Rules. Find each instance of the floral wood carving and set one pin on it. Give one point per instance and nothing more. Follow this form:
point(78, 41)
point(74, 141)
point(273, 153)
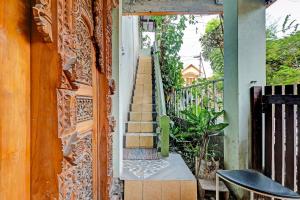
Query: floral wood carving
point(75, 26)
point(66, 108)
point(84, 108)
point(76, 50)
point(75, 181)
point(84, 32)
point(43, 18)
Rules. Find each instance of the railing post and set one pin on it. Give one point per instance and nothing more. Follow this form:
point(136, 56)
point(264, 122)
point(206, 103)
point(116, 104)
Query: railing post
point(164, 123)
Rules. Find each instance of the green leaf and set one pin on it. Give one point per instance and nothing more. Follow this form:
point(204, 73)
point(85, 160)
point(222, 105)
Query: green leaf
point(217, 127)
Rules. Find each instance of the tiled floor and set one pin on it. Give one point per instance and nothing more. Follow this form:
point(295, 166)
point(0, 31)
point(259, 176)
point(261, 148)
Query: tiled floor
point(170, 168)
point(166, 178)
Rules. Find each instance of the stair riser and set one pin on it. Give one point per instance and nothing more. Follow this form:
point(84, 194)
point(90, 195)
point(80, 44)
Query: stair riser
point(144, 117)
point(143, 93)
point(136, 127)
point(142, 108)
point(144, 77)
point(144, 72)
point(143, 100)
point(143, 86)
point(140, 141)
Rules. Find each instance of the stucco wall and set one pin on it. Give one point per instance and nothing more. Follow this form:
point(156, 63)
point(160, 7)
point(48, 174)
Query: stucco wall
point(127, 45)
point(130, 53)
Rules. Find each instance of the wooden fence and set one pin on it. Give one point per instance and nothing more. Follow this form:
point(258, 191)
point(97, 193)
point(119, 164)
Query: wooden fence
point(276, 133)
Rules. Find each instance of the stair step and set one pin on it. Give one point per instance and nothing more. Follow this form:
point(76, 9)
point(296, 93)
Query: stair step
point(141, 127)
point(142, 116)
point(142, 107)
point(144, 93)
point(143, 99)
point(144, 76)
point(143, 86)
point(140, 140)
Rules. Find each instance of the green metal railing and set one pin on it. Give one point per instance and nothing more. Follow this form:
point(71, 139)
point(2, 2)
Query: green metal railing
point(207, 95)
point(163, 119)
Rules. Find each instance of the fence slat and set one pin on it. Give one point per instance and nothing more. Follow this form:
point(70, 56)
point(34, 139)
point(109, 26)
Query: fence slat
point(278, 138)
point(203, 95)
point(298, 142)
point(256, 124)
point(290, 143)
point(282, 99)
point(268, 134)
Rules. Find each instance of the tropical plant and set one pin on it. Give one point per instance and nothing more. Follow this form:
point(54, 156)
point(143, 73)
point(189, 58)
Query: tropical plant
point(283, 60)
point(283, 53)
point(213, 44)
point(169, 34)
point(202, 125)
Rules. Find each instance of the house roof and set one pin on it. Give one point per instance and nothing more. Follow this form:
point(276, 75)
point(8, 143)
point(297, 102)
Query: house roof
point(191, 66)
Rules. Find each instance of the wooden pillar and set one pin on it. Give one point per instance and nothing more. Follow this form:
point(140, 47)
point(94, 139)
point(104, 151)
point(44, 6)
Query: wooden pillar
point(15, 100)
point(46, 154)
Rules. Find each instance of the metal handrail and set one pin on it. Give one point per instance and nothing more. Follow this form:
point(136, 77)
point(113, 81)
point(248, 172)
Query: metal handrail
point(159, 84)
point(201, 84)
point(162, 118)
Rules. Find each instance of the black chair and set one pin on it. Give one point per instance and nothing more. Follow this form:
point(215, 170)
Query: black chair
point(255, 183)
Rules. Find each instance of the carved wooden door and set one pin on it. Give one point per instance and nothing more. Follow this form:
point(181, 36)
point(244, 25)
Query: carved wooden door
point(84, 102)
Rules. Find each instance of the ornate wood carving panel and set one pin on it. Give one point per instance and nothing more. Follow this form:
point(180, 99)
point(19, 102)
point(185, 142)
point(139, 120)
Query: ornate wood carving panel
point(75, 25)
point(84, 43)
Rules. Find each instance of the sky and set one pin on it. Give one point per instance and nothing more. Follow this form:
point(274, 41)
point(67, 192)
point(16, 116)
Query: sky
point(191, 46)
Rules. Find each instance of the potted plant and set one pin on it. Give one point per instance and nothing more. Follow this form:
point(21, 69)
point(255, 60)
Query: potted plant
point(203, 124)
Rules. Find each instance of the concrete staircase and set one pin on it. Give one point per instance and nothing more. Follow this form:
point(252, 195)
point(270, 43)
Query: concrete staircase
point(156, 178)
point(140, 132)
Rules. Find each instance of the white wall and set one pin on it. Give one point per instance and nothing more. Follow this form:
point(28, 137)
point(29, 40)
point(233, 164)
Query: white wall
point(124, 73)
point(116, 38)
